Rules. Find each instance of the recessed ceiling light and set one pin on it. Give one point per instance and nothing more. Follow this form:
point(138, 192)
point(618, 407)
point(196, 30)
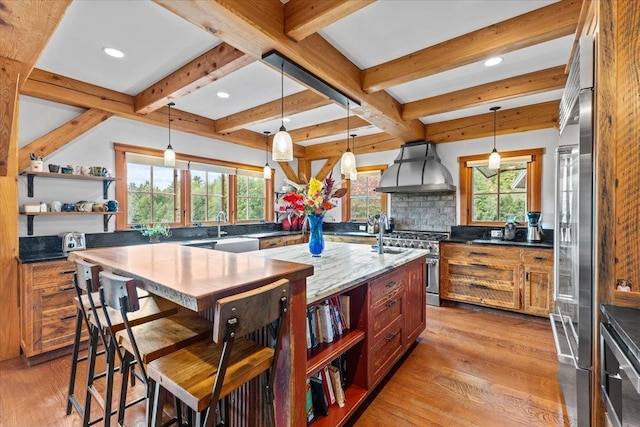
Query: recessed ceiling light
point(286, 119)
point(113, 52)
point(223, 95)
point(493, 61)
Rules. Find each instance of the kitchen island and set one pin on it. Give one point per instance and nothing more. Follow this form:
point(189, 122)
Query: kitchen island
point(387, 305)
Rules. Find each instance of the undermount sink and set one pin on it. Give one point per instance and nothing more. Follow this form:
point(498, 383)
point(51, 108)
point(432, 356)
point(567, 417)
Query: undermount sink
point(237, 244)
point(389, 250)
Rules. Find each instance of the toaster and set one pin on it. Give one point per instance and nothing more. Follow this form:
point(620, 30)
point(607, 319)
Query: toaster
point(73, 241)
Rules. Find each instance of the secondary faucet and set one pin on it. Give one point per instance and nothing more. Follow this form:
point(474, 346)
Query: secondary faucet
point(383, 224)
point(221, 214)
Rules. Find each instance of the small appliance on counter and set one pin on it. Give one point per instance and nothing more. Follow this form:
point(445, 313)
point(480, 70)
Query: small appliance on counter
point(534, 231)
point(510, 228)
point(73, 241)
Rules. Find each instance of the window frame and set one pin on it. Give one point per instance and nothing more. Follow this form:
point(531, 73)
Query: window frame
point(121, 151)
point(534, 183)
point(346, 204)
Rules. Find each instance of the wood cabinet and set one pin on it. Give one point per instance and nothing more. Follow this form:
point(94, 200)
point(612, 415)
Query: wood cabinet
point(507, 277)
point(47, 312)
point(538, 281)
point(386, 315)
point(285, 240)
point(346, 238)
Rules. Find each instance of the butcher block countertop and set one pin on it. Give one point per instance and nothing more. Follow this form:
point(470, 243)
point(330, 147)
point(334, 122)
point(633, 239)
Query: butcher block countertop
point(341, 266)
point(193, 277)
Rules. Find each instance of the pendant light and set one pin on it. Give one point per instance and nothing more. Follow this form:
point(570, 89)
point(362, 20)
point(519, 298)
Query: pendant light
point(282, 144)
point(354, 174)
point(266, 172)
point(169, 154)
point(494, 158)
point(348, 161)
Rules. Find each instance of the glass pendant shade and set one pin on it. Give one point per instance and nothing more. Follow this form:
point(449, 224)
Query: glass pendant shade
point(354, 176)
point(282, 146)
point(348, 163)
point(494, 160)
point(266, 172)
point(169, 154)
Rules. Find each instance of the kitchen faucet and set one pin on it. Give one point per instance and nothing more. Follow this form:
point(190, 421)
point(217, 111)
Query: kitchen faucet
point(383, 224)
point(221, 214)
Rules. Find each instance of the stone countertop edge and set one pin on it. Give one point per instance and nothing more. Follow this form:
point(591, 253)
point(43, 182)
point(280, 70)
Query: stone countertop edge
point(540, 245)
point(341, 265)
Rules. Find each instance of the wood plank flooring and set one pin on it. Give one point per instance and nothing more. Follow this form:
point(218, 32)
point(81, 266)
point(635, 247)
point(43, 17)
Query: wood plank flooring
point(469, 368)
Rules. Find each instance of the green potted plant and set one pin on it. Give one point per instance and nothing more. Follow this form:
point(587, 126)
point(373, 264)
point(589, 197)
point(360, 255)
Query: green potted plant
point(156, 231)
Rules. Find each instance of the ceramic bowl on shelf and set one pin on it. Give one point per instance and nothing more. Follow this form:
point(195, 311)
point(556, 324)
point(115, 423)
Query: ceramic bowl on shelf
point(54, 168)
point(67, 170)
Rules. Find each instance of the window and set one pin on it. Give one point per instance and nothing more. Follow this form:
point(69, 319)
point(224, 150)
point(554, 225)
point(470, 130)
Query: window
point(363, 200)
point(192, 192)
point(209, 195)
point(250, 197)
point(487, 196)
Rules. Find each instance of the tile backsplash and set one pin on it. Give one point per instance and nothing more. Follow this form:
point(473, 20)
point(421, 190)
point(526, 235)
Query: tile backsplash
point(424, 211)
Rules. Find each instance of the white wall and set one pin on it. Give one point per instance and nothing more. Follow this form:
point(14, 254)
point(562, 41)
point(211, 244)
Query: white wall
point(95, 148)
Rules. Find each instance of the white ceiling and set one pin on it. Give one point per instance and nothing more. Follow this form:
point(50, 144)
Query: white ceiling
point(156, 43)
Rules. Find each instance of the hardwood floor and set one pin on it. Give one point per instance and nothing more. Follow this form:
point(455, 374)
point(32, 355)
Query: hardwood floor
point(469, 368)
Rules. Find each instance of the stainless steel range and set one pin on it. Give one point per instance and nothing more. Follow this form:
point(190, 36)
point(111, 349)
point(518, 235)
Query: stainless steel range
point(430, 241)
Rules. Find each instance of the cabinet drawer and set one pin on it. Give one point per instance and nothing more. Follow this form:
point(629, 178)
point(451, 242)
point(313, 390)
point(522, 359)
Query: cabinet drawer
point(481, 253)
point(271, 243)
point(489, 292)
point(385, 313)
point(384, 286)
point(483, 272)
point(56, 298)
point(387, 351)
point(538, 257)
point(58, 327)
point(52, 274)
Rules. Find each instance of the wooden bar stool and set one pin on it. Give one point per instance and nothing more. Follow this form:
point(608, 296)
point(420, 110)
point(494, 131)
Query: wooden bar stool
point(148, 341)
point(86, 283)
point(203, 373)
point(101, 326)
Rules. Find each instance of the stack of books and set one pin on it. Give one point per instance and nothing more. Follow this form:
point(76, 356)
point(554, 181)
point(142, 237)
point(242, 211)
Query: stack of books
point(326, 388)
point(327, 320)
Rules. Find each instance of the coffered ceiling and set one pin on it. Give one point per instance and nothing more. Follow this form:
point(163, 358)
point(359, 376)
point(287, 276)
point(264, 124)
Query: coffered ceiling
point(415, 66)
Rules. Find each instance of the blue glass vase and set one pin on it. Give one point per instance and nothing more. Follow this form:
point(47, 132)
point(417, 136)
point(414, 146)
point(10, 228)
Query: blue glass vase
point(316, 240)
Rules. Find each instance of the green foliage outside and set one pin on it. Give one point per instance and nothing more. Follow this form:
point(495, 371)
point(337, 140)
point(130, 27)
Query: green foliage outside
point(208, 195)
point(250, 198)
point(499, 195)
point(364, 201)
point(153, 194)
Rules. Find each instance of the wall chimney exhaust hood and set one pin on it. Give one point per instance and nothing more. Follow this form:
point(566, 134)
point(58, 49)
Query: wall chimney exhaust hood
point(417, 169)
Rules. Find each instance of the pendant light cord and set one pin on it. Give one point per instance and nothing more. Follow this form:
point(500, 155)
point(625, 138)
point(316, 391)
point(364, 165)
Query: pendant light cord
point(348, 127)
point(282, 94)
point(170, 105)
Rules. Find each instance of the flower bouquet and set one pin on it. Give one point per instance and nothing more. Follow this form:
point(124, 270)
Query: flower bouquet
point(313, 200)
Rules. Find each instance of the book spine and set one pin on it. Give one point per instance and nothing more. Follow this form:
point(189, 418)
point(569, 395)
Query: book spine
point(336, 382)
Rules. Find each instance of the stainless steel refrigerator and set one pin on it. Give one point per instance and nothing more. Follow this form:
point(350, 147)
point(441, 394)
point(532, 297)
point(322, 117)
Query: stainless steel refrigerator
point(573, 318)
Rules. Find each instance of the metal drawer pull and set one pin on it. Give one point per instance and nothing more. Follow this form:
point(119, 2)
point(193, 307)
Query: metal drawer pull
point(479, 253)
point(392, 303)
point(539, 258)
point(67, 272)
point(392, 284)
point(67, 289)
point(391, 337)
point(478, 285)
point(71, 316)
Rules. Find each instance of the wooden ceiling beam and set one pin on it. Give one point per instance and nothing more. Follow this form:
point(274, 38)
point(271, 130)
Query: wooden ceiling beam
point(538, 26)
point(526, 84)
point(289, 172)
point(257, 27)
point(514, 120)
point(327, 167)
point(332, 128)
point(303, 18)
point(207, 68)
point(61, 136)
point(293, 104)
point(26, 28)
point(522, 119)
point(56, 88)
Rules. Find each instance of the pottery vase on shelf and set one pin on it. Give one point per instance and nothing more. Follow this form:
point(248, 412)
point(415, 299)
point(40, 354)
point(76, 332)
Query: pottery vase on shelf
point(316, 240)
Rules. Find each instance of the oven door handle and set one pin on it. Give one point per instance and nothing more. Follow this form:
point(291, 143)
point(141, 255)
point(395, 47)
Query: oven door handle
point(623, 360)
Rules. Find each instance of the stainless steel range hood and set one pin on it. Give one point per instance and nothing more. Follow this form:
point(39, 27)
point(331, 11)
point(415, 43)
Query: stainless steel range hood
point(417, 169)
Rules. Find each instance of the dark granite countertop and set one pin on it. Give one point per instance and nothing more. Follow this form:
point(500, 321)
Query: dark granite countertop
point(626, 323)
point(42, 256)
point(541, 245)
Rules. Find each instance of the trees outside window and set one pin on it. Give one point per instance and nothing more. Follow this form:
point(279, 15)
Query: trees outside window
point(153, 194)
point(362, 200)
point(209, 195)
point(250, 198)
point(487, 196)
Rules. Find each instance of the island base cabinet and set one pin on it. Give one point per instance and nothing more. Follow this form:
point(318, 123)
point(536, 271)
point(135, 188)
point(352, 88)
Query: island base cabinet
point(385, 352)
point(47, 312)
point(415, 301)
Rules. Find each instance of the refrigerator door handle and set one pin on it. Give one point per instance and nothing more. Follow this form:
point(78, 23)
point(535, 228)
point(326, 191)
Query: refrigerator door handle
point(562, 356)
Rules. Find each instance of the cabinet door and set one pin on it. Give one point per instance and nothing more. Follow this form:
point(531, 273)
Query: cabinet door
point(271, 242)
point(415, 301)
point(538, 281)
